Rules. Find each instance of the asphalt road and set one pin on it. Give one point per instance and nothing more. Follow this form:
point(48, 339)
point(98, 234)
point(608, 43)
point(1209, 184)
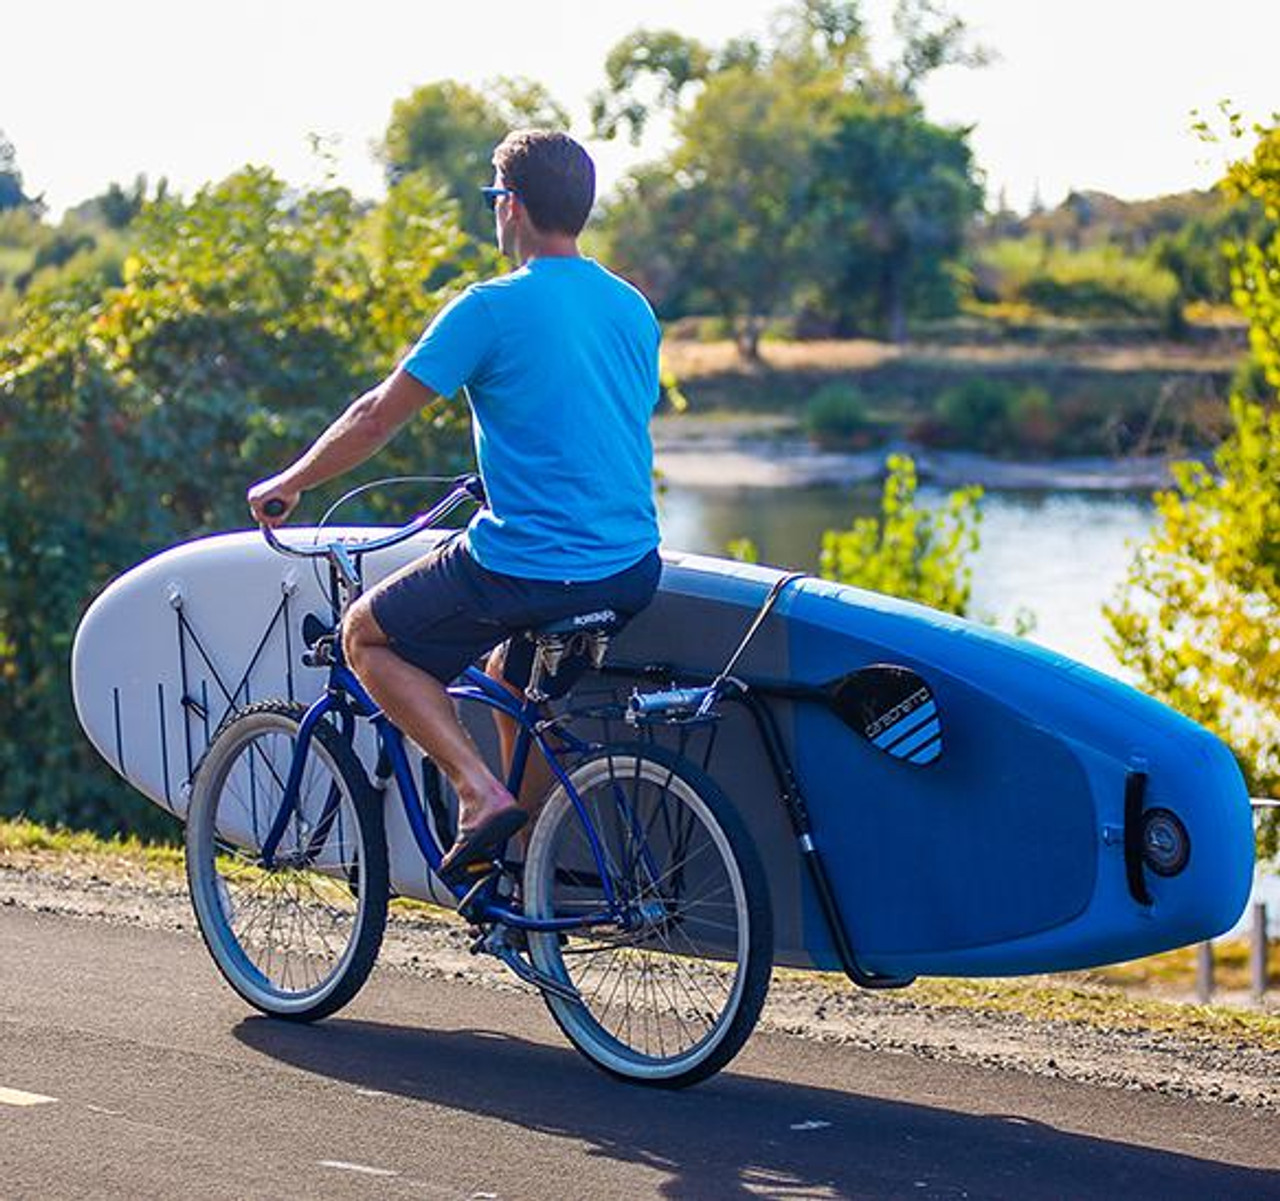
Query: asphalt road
point(157, 1082)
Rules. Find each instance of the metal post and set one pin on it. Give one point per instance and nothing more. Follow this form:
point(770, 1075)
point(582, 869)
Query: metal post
point(1204, 972)
point(1258, 951)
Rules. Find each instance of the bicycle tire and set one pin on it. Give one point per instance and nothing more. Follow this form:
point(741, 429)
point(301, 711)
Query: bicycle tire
point(671, 1000)
point(297, 940)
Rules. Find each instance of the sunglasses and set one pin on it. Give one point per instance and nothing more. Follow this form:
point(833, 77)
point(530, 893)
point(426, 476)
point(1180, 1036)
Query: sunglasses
point(491, 195)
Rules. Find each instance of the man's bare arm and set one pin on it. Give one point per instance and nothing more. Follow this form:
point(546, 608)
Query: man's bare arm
point(365, 427)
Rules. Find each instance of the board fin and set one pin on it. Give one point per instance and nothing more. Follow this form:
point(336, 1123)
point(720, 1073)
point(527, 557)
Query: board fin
point(894, 709)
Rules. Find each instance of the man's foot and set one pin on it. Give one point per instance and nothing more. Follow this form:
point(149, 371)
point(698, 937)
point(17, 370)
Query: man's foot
point(473, 849)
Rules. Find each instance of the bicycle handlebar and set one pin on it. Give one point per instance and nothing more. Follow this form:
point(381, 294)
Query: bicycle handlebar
point(465, 488)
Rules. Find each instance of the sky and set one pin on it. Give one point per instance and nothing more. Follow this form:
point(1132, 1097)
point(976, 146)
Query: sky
point(1090, 94)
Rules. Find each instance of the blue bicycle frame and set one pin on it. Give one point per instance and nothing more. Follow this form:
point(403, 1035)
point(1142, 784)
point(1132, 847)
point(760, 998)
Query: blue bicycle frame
point(345, 694)
point(345, 691)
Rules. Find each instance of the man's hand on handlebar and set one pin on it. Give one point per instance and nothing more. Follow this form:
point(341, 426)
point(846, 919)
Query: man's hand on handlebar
point(271, 502)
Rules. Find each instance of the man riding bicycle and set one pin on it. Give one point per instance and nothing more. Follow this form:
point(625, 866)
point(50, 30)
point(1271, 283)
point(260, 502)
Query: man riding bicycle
point(559, 362)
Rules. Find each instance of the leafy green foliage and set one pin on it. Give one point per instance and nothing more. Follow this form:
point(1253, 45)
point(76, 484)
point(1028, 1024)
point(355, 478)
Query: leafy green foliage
point(931, 39)
point(664, 59)
point(117, 207)
point(12, 195)
point(449, 130)
point(1198, 618)
point(837, 416)
point(1096, 256)
point(995, 416)
point(909, 551)
point(804, 179)
point(134, 418)
point(1100, 281)
point(893, 195)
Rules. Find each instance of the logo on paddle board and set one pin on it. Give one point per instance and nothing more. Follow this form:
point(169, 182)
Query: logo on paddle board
point(893, 709)
point(900, 711)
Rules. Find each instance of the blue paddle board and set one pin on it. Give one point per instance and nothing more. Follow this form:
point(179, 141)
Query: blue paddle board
point(1039, 816)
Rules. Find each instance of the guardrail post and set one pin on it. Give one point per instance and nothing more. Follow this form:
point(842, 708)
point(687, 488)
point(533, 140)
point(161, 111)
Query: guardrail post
point(1258, 951)
point(1204, 972)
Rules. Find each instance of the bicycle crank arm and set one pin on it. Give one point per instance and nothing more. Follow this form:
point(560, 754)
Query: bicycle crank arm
point(530, 975)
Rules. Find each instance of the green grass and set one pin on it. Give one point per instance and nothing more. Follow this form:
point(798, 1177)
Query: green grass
point(19, 837)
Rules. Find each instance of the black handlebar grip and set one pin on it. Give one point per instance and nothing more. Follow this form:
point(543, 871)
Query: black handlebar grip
point(274, 508)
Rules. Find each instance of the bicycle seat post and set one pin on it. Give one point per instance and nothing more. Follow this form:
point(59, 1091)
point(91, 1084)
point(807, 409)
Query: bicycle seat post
point(586, 635)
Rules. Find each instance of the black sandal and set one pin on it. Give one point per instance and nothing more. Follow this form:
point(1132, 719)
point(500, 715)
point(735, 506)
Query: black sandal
point(473, 852)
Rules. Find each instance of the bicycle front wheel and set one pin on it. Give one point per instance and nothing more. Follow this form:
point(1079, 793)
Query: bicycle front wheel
point(668, 992)
point(297, 938)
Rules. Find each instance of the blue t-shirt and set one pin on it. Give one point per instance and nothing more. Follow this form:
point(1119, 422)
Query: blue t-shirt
point(560, 363)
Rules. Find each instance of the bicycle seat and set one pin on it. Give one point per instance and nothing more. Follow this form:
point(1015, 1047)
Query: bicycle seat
point(601, 621)
point(564, 648)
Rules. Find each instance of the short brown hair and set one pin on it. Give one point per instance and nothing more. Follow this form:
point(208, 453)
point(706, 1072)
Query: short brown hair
point(552, 175)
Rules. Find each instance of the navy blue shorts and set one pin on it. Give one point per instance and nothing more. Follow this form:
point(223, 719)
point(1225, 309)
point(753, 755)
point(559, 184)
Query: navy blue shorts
point(446, 610)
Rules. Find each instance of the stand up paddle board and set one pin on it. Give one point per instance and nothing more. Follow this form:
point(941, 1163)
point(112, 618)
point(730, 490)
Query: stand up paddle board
point(982, 806)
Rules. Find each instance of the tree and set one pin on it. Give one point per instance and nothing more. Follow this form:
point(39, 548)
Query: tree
point(733, 228)
point(450, 129)
point(760, 207)
point(134, 418)
point(931, 39)
point(895, 195)
point(647, 70)
point(1198, 618)
point(12, 195)
point(117, 206)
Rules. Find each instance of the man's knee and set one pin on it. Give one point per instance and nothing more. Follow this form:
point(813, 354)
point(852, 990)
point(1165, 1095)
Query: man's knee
point(360, 632)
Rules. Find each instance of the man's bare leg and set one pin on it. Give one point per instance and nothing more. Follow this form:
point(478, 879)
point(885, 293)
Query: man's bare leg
point(537, 779)
point(419, 705)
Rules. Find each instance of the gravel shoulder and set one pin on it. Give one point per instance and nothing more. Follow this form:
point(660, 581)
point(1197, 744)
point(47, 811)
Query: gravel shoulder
point(1228, 1060)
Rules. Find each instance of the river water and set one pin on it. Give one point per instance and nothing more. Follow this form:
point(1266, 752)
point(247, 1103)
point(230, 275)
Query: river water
point(1059, 556)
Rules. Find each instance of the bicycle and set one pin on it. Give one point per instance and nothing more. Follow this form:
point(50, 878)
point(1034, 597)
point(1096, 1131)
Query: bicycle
point(640, 909)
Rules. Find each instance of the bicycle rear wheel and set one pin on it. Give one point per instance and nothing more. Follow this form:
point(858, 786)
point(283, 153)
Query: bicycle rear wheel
point(299, 938)
point(669, 994)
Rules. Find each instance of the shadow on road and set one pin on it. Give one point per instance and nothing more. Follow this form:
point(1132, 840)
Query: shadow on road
point(737, 1136)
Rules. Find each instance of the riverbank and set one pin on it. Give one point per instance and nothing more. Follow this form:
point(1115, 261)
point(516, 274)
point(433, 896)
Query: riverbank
point(770, 451)
point(1024, 401)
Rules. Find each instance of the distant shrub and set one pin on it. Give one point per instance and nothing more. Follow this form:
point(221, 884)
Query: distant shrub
point(837, 416)
point(1032, 419)
point(995, 416)
point(1097, 282)
point(975, 413)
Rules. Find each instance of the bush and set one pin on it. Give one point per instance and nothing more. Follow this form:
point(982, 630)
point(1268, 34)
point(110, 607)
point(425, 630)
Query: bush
point(133, 418)
point(975, 413)
point(1198, 616)
point(907, 551)
point(996, 416)
point(1032, 421)
point(837, 416)
point(1100, 282)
